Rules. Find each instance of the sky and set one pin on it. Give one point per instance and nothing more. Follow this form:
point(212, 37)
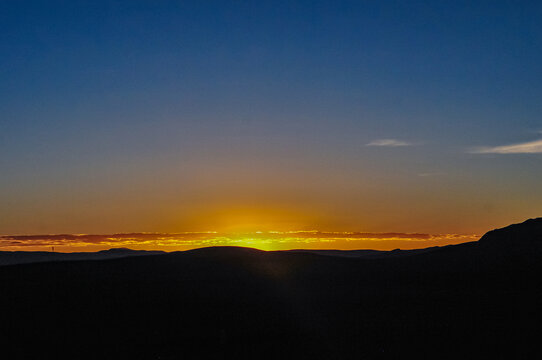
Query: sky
point(244, 116)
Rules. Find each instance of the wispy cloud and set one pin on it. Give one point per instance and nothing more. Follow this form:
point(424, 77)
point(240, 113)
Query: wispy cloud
point(389, 143)
point(530, 147)
point(272, 240)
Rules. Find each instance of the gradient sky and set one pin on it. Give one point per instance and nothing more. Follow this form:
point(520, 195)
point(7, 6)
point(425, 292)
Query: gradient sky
point(173, 116)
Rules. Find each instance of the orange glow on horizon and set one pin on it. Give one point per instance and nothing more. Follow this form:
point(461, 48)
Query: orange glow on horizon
point(263, 240)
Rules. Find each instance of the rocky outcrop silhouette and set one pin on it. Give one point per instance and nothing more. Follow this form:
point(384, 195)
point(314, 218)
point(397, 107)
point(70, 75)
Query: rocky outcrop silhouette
point(524, 238)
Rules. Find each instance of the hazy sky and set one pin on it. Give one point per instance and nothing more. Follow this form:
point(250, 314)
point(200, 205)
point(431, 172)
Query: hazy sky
point(165, 116)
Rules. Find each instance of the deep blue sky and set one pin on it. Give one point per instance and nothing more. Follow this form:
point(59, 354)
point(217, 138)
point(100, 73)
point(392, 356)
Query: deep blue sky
point(177, 115)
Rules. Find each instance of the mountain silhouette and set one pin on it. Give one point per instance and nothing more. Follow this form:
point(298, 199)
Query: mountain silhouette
point(474, 300)
point(25, 257)
point(524, 238)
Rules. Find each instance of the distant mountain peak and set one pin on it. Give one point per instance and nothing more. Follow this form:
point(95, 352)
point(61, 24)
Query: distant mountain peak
point(117, 250)
point(525, 235)
point(224, 251)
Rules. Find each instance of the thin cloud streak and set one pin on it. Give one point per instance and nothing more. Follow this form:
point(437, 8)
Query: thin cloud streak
point(531, 147)
point(265, 240)
point(388, 143)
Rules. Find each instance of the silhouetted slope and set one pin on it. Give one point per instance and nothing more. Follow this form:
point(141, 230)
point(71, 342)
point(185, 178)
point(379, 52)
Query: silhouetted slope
point(367, 254)
point(26, 257)
point(519, 239)
point(464, 301)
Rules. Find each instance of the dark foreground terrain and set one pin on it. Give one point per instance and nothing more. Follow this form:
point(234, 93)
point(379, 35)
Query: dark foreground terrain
point(476, 300)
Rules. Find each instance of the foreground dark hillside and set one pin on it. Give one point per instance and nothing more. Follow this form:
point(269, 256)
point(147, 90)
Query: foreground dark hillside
point(474, 300)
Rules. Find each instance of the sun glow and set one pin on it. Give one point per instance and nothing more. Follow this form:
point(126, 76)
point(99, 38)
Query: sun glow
point(263, 240)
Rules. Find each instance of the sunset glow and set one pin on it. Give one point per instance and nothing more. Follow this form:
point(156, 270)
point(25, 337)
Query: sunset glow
point(238, 118)
point(263, 240)
point(300, 179)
